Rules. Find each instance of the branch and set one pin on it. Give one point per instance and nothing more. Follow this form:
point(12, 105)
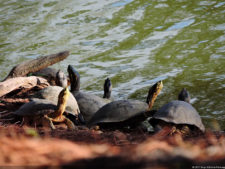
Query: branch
point(35, 65)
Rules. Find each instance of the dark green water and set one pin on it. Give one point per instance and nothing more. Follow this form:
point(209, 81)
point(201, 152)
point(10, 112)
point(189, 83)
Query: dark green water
point(134, 42)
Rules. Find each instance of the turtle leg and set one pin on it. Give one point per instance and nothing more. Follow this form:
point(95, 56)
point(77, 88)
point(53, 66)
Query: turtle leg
point(26, 121)
point(185, 130)
point(23, 122)
point(69, 123)
point(95, 127)
point(46, 121)
point(173, 130)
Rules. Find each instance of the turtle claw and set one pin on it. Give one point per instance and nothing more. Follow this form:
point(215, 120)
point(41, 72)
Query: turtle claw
point(173, 130)
point(185, 130)
point(95, 127)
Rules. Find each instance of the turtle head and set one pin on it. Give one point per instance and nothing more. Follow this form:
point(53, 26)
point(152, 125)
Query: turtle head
point(184, 95)
point(61, 79)
point(153, 93)
point(62, 100)
point(107, 88)
point(74, 77)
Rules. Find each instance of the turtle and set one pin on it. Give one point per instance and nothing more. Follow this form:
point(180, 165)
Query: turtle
point(54, 76)
point(88, 103)
point(179, 115)
point(123, 113)
point(61, 79)
point(46, 112)
point(51, 93)
point(107, 90)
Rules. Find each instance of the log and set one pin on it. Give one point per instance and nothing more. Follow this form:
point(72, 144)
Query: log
point(35, 65)
point(21, 82)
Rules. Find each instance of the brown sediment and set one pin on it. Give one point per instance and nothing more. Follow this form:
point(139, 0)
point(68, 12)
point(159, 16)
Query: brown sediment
point(85, 148)
point(35, 65)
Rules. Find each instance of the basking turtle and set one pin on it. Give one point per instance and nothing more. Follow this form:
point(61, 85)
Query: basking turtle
point(107, 90)
point(61, 79)
point(54, 76)
point(46, 112)
point(184, 96)
point(51, 92)
point(88, 103)
point(123, 113)
point(179, 115)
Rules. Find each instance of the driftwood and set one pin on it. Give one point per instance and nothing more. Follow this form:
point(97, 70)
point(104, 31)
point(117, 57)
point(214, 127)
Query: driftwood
point(35, 65)
point(21, 82)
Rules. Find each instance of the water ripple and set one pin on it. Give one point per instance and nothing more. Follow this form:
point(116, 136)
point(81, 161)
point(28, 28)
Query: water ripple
point(181, 24)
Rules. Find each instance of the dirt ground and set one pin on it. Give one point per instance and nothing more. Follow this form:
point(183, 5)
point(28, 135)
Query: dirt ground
point(85, 148)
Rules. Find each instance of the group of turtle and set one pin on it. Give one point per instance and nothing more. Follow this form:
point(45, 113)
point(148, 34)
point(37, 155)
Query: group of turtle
point(58, 104)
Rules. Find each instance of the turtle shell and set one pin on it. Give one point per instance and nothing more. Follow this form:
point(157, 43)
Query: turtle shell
point(48, 73)
point(51, 93)
point(36, 107)
point(179, 112)
point(89, 104)
point(118, 111)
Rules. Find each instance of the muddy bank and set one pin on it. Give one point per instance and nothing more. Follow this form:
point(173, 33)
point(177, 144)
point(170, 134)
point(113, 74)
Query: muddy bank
point(86, 148)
